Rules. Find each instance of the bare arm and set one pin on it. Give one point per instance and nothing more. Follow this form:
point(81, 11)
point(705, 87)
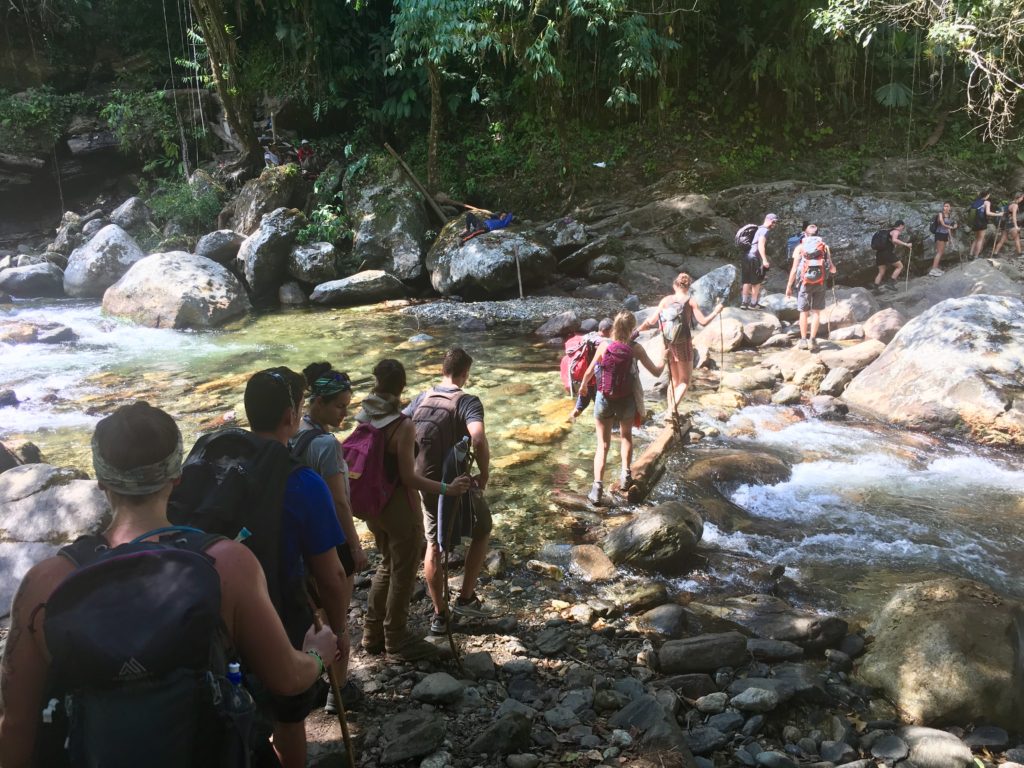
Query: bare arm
point(405, 443)
point(335, 592)
point(761, 245)
point(652, 321)
point(700, 317)
point(482, 449)
point(644, 359)
point(336, 484)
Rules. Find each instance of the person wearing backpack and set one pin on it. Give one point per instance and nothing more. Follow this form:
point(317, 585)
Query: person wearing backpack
point(442, 417)
point(812, 262)
point(330, 393)
point(310, 538)
point(755, 265)
point(942, 227)
point(612, 367)
point(131, 637)
point(1009, 227)
point(884, 243)
point(398, 526)
point(978, 216)
point(576, 365)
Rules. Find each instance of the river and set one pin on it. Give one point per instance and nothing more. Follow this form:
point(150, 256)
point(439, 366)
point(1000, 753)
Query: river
point(866, 508)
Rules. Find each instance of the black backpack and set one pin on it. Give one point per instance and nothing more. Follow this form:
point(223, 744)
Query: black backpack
point(233, 484)
point(934, 226)
point(745, 237)
point(881, 240)
point(139, 656)
point(298, 444)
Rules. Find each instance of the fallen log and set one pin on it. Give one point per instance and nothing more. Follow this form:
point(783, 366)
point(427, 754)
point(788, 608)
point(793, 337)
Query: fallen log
point(648, 468)
point(431, 203)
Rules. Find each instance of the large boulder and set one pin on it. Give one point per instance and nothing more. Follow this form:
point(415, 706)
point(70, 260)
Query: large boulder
point(855, 357)
point(177, 290)
point(974, 278)
point(101, 262)
point(276, 187)
point(946, 652)
point(133, 214)
point(314, 263)
point(44, 508)
point(658, 539)
point(960, 364)
point(718, 285)
point(725, 334)
point(849, 307)
point(220, 245)
point(263, 256)
point(884, 325)
point(486, 265)
point(388, 219)
point(33, 281)
point(366, 287)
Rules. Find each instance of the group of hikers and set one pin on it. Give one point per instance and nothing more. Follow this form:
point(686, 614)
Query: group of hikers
point(195, 617)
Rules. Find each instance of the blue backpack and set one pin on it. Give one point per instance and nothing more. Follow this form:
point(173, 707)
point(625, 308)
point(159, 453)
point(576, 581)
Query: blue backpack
point(793, 242)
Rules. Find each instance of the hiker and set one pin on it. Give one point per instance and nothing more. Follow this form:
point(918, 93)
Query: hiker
point(579, 351)
point(310, 540)
point(1009, 227)
point(613, 367)
point(979, 213)
point(675, 315)
point(812, 262)
point(807, 228)
point(330, 393)
point(942, 227)
point(475, 226)
point(755, 265)
point(137, 454)
point(442, 417)
point(305, 155)
point(884, 243)
point(398, 529)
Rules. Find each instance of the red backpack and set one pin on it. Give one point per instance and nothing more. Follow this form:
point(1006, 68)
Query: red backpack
point(579, 351)
point(370, 488)
point(615, 370)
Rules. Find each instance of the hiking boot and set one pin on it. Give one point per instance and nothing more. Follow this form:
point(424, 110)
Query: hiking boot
point(472, 608)
point(594, 497)
point(372, 647)
point(936, 272)
point(812, 345)
point(439, 624)
point(414, 650)
point(801, 343)
point(626, 478)
point(744, 305)
point(759, 305)
point(350, 698)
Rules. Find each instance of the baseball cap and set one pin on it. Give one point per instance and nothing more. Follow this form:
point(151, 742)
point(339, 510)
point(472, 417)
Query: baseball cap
point(771, 217)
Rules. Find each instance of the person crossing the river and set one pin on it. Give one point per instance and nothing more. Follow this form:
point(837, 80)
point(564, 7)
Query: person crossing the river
point(812, 263)
point(755, 265)
point(615, 404)
point(674, 316)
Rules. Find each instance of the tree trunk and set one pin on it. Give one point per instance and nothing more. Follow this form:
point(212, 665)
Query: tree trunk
point(434, 137)
point(224, 67)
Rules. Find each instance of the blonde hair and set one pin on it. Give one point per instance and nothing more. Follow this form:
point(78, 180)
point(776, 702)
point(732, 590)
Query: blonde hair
point(683, 278)
point(623, 325)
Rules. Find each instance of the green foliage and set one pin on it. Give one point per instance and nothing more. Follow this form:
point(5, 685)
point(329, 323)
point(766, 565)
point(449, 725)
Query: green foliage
point(195, 210)
point(328, 223)
point(145, 126)
point(32, 120)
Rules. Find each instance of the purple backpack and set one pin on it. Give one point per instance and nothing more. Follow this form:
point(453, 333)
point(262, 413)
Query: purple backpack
point(615, 370)
point(370, 488)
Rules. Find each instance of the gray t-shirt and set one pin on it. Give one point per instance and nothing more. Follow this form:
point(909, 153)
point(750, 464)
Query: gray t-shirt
point(761, 234)
point(323, 455)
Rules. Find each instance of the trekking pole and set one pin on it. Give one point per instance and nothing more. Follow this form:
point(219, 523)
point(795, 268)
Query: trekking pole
point(345, 736)
point(446, 592)
point(721, 344)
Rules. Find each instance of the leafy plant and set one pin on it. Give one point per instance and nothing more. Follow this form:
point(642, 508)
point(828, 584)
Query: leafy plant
point(145, 126)
point(328, 223)
point(31, 121)
point(194, 209)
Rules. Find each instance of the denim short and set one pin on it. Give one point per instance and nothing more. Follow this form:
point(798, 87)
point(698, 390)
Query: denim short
point(618, 410)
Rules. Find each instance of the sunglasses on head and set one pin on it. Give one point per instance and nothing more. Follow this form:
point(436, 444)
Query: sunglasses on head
point(277, 376)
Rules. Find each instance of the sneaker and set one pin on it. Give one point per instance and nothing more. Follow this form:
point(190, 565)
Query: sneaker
point(372, 648)
point(472, 608)
point(439, 625)
point(812, 345)
point(744, 305)
point(594, 497)
point(759, 305)
point(801, 343)
point(414, 650)
point(936, 272)
point(350, 698)
point(626, 478)
point(891, 286)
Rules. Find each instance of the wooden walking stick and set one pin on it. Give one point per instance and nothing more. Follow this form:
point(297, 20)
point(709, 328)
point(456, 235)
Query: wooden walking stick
point(345, 736)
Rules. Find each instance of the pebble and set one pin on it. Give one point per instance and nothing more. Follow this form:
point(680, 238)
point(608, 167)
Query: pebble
point(773, 759)
point(479, 665)
point(989, 736)
point(437, 760)
point(561, 718)
point(508, 706)
point(837, 752)
point(753, 726)
point(807, 745)
point(703, 740)
point(620, 738)
point(727, 722)
point(522, 760)
point(438, 688)
point(519, 667)
point(791, 734)
point(756, 700)
point(552, 640)
point(713, 703)
point(889, 748)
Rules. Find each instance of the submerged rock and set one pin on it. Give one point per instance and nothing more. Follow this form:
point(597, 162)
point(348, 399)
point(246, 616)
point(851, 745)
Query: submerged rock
point(659, 539)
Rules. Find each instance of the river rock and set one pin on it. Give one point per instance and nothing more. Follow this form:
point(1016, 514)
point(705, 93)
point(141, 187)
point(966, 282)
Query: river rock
point(221, 245)
point(133, 214)
point(854, 358)
point(291, 295)
point(69, 234)
point(366, 287)
point(33, 281)
point(781, 689)
point(605, 268)
point(703, 740)
point(890, 748)
point(852, 306)
point(749, 379)
point(727, 332)
point(771, 617)
point(590, 563)
point(658, 539)
point(729, 469)
point(837, 752)
point(703, 653)
point(931, 748)
point(276, 187)
point(479, 665)
point(755, 700)
point(509, 733)
point(649, 594)
point(438, 688)
point(563, 324)
point(314, 263)
point(97, 265)
point(979, 277)
point(713, 703)
point(718, 285)
point(774, 650)
point(788, 394)
point(177, 290)
point(849, 333)
point(835, 381)
point(8, 459)
point(944, 652)
point(667, 620)
point(810, 374)
point(563, 236)
point(959, 363)
point(411, 734)
point(782, 307)
point(389, 221)
point(263, 256)
point(884, 325)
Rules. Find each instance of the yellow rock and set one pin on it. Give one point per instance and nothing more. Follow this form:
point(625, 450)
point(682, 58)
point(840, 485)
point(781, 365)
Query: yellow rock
point(226, 382)
point(517, 459)
point(560, 605)
point(723, 399)
point(539, 434)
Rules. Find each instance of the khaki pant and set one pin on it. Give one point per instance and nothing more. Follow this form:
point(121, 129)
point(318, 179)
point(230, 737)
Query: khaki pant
point(399, 535)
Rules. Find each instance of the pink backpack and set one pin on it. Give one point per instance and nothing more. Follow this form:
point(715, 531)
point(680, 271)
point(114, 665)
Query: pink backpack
point(370, 488)
point(615, 371)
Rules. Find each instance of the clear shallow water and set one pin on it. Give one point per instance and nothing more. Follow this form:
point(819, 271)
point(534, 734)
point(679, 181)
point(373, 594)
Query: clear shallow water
point(866, 507)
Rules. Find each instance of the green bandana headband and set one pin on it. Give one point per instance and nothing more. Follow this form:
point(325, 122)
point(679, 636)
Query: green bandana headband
point(137, 481)
point(330, 384)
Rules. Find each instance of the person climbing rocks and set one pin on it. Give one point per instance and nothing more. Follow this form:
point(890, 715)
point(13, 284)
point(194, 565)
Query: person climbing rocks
point(755, 265)
point(593, 341)
point(942, 227)
point(615, 404)
point(674, 316)
point(812, 263)
point(1009, 226)
point(443, 416)
point(980, 212)
point(884, 246)
point(398, 529)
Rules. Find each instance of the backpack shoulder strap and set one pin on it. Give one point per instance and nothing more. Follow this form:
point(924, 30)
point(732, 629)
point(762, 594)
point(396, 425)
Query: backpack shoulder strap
point(304, 438)
point(84, 550)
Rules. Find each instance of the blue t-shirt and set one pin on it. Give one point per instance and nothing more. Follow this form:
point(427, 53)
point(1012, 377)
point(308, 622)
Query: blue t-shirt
point(310, 526)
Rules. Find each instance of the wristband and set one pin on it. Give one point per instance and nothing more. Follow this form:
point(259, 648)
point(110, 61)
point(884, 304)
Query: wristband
point(444, 488)
point(320, 659)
